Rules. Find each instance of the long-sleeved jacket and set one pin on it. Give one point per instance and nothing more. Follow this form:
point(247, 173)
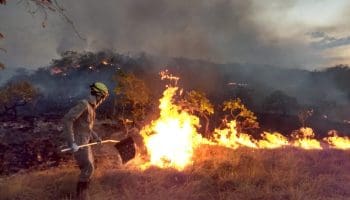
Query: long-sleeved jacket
point(79, 122)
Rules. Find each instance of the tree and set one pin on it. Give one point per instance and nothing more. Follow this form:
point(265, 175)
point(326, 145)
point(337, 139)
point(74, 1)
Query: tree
point(197, 103)
point(303, 115)
point(245, 119)
point(279, 102)
point(15, 94)
point(132, 91)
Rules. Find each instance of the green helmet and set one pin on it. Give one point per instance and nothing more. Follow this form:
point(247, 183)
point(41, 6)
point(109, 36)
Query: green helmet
point(99, 89)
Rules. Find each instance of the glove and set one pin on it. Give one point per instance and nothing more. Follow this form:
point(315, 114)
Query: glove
point(74, 147)
point(98, 140)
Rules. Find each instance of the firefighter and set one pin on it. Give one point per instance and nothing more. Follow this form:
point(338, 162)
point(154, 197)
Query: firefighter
point(78, 129)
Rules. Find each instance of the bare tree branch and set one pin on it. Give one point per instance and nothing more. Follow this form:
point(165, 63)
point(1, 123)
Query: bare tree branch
point(2, 66)
point(45, 6)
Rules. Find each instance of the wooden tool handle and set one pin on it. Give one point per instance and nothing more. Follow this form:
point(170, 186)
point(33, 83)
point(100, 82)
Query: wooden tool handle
point(91, 144)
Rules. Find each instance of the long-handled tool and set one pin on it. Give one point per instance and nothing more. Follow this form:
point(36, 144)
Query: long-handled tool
point(126, 148)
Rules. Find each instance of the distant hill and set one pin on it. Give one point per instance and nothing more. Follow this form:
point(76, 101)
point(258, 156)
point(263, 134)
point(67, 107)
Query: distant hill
point(325, 91)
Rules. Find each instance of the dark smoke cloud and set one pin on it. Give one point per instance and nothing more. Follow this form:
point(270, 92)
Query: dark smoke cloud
point(326, 41)
point(221, 31)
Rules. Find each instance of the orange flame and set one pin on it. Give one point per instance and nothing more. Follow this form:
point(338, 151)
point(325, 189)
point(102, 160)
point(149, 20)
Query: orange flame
point(336, 141)
point(172, 138)
point(56, 70)
point(272, 140)
point(165, 75)
point(304, 138)
point(229, 137)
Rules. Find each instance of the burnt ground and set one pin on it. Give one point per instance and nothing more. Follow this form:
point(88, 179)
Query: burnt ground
point(34, 143)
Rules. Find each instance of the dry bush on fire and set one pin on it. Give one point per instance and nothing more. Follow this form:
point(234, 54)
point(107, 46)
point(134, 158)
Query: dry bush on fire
point(16, 94)
point(196, 102)
point(245, 119)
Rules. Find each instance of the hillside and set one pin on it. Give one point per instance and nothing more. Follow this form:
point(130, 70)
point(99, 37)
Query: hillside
point(66, 79)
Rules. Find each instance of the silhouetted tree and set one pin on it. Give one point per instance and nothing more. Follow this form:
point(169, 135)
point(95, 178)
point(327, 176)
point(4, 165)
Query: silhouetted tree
point(15, 94)
point(279, 102)
point(303, 115)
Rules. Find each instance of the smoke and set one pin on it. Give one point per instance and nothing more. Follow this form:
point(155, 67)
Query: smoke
point(220, 31)
point(6, 75)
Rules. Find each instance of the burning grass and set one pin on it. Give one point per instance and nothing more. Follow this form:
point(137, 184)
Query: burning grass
point(185, 165)
point(217, 173)
point(172, 139)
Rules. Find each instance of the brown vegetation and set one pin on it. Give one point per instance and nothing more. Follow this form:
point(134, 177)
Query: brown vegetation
point(16, 94)
point(217, 173)
point(132, 92)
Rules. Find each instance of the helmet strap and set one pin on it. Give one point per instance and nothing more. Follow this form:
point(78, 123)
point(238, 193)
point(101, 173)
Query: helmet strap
point(99, 99)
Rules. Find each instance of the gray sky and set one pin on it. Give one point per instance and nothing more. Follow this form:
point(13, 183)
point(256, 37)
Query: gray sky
point(289, 33)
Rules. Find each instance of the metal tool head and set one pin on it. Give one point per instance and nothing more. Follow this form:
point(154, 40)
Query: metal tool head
point(126, 149)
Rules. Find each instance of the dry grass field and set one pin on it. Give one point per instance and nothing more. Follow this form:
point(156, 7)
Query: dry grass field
point(217, 173)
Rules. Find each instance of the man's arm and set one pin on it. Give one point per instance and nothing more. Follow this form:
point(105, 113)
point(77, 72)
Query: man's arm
point(69, 119)
point(95, 136)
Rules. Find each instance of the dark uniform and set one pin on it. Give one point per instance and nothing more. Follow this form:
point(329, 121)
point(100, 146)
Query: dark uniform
point(78, 123)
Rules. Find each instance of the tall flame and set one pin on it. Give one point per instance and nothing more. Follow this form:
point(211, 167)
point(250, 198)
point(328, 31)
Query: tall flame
point(172, 138)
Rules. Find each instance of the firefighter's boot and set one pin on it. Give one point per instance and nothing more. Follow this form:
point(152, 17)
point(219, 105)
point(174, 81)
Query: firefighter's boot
point(83, 190)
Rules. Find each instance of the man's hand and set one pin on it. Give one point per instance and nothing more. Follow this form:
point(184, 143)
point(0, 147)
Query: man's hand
point(96, 138)
point(74, 147)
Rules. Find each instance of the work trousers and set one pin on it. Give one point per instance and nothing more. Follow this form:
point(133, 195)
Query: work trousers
point(85, 160)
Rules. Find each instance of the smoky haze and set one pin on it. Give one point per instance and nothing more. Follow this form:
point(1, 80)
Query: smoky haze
point(220, 31)
point(326, 91)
